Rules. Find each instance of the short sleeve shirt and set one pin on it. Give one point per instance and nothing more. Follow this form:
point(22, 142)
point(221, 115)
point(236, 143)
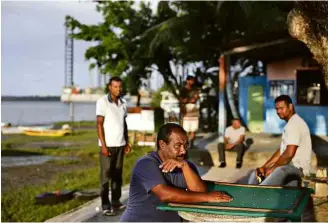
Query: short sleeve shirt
point(234, 134)
point(114, 115)
point(142, 202)
point(296, 132)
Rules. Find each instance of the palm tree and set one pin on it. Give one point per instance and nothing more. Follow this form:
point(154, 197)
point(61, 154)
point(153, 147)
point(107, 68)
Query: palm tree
point(200, 31)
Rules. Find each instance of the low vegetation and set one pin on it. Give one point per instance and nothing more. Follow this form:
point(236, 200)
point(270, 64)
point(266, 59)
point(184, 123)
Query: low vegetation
point(80, 173)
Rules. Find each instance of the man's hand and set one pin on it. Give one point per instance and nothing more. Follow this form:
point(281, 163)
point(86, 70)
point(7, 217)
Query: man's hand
point(269, 171)
point(105, 151)
point(127, 149)
point(217, 196)
point(171, 164)
point(262, 170)
point(229, 146)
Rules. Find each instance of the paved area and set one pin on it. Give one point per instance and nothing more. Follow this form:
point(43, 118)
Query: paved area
point(206, 158)
point(91, 212)
point(260, 149)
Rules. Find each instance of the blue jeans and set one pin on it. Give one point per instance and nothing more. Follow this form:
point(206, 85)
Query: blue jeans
point(283, 175)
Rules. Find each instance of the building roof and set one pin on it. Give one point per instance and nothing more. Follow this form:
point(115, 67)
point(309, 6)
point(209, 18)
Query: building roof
point(268, 47)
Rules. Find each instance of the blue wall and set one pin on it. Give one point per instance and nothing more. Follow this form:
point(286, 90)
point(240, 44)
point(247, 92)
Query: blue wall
point(315, 116)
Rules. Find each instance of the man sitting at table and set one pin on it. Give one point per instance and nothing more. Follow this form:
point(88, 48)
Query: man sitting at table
point(165, 176)
point(293, 159)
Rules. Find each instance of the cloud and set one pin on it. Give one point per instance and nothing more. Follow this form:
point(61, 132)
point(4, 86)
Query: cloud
point(33, 46)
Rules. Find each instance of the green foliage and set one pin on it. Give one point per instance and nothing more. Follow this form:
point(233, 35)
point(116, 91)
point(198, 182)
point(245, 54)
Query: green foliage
point(118, 38)
point(77, 124)
point(202, 29)
point(134, 42)
point(80, 136)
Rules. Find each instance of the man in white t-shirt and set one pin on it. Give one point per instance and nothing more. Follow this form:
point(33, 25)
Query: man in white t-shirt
point(234, 138)
point(293, 159)
point(113, 142)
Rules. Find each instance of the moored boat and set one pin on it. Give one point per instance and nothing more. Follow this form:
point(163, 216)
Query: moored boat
point(37, 128)
point(48, 132)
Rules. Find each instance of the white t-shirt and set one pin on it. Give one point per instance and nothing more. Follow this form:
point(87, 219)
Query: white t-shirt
point(296, 132)
point(115, 115)
point(234, 134)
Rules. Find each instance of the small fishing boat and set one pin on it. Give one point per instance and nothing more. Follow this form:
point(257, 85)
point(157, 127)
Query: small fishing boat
point(11, 130)
point(37, 128)
point(7, 128)
point(48, 132)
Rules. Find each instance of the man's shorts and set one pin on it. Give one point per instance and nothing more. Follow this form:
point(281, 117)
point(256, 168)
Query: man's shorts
point(190, 124)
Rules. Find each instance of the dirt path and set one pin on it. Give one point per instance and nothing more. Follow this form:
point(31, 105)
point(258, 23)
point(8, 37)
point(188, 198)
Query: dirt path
point(321, 209)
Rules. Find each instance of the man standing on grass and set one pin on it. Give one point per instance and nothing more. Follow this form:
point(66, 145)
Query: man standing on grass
point(113, 141)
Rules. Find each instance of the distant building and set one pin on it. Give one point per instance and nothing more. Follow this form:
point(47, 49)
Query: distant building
point(290, 69)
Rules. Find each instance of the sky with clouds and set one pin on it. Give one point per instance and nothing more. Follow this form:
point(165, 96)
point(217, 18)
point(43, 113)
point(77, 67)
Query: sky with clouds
point(33, 44)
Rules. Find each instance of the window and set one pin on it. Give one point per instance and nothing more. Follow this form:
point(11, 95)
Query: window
point(311, 88)
point(279, 87)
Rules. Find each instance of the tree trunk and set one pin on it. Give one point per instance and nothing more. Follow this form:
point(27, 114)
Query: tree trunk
point(138, 100)
point(300, 28)
point(231, 99)
point(169, 78)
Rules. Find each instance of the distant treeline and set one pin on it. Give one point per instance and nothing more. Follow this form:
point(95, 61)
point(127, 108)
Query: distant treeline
point(30, 98)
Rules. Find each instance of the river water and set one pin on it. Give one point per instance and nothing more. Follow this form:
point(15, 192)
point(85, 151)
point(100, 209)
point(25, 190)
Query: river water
point(44, 112)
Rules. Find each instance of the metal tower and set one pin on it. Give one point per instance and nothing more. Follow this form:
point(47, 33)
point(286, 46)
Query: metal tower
point(69, 58)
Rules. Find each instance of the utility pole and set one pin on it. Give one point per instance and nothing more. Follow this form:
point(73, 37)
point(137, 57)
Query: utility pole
point(69, 69)
point(69, 58)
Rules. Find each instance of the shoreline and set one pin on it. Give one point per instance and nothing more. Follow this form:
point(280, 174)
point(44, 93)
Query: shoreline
point(30, 98)
point(82, 123)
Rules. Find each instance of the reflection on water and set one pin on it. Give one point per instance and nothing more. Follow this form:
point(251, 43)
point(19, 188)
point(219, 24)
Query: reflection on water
point(9, 161)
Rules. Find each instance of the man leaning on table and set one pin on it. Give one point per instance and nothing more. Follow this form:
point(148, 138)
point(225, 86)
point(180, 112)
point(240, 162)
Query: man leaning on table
point(165, 176)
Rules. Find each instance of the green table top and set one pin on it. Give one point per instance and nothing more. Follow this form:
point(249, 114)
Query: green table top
point(251, 200)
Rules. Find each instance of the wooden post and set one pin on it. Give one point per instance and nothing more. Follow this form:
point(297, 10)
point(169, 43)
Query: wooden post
point(222, 116)
point(71, 113)
point(133, 137)
point(321, 189)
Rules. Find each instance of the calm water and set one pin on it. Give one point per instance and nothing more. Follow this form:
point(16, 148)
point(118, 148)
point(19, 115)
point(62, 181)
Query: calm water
point(44, 112)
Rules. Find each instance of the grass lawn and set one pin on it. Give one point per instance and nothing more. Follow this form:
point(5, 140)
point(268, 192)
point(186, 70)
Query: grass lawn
point(78, 124)
point(18, 199)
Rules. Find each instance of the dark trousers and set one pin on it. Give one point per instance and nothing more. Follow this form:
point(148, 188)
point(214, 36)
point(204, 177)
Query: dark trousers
point(240, 149)
point(111, 168)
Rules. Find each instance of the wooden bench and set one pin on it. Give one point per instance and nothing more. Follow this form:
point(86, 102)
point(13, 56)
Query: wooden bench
point(319, 182)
